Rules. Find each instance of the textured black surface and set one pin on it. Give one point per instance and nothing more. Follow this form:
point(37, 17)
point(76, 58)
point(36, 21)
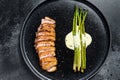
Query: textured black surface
point(12, 15)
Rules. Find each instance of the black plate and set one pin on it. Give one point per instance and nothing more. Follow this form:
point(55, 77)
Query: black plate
point(62, 12)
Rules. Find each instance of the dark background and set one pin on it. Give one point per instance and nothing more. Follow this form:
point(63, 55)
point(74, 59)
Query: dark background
point(12, 15)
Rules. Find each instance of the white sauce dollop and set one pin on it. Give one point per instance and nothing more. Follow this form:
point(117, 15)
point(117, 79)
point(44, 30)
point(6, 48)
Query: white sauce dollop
point(69, 40)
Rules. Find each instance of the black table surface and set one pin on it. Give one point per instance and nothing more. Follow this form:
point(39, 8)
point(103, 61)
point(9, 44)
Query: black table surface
point(12, 16)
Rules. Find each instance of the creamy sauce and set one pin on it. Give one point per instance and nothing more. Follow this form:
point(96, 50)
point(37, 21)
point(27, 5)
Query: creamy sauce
point(69, 40)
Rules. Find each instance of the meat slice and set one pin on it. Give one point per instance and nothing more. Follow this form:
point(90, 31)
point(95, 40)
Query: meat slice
point(52, 69)
point(46, 54)
point(45, 44)
point(47, 20)
point(47, 28)
point(49, 65)
point(50, 19)
point(44, 33)
point(49, 25)
point(44, 38)
point(43, 49)
point(48, 59)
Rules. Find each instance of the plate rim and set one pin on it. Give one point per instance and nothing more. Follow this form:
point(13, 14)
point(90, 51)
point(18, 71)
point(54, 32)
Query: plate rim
point(26, 59)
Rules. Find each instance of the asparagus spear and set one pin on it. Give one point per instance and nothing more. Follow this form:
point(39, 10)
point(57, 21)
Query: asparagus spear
point(83, 66)
point(78, 38)
point(75, 32)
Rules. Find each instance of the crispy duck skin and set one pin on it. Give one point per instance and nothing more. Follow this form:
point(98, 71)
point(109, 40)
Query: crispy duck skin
point(45, 44)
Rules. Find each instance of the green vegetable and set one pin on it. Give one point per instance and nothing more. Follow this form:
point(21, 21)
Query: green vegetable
point(78, 30)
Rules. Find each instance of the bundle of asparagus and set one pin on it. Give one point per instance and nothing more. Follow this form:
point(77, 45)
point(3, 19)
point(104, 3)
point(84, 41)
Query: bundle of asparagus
point(78, 31)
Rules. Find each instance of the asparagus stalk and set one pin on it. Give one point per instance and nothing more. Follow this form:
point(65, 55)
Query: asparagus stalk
point(80, 46)
point(83, 66)
point(75, 30)
point(79, 63)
